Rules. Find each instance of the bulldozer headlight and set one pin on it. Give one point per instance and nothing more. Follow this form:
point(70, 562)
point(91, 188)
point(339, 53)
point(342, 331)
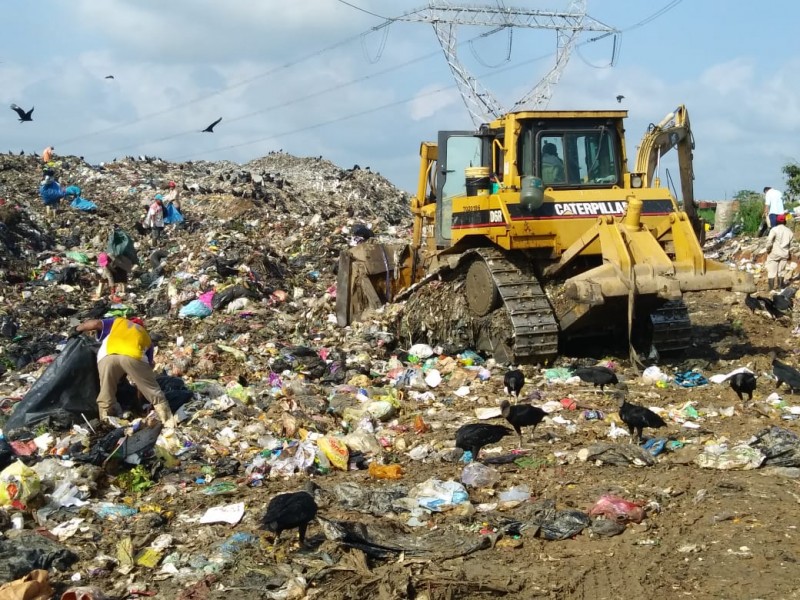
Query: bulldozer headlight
point(636, 181)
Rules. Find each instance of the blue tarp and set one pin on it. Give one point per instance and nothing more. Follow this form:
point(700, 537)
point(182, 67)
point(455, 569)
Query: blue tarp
point(172, 215)
point(83, 204)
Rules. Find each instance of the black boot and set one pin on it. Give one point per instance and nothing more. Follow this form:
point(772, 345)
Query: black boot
point(771, 283)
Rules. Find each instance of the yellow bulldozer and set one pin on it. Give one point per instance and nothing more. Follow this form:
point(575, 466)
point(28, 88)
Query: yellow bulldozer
point(531, 234)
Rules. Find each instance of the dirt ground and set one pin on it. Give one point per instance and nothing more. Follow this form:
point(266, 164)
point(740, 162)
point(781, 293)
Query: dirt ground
point(708, 533)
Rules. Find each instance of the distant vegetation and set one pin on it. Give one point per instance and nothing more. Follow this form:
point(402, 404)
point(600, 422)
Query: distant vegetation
point(751, 210)
point(792, 173)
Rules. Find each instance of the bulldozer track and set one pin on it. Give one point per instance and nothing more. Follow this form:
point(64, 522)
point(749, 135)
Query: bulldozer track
point(671, 327)
point(530, 313)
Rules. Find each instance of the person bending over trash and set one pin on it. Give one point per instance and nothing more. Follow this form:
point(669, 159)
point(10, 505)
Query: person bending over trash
point(115, 270)
point(126, 349)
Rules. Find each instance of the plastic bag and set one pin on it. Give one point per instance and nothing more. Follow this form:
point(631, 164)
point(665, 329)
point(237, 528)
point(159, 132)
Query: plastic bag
point(83, 204)
point(227, 295)
point(195, 309)
point(780, 446)
point(421, 351)
point(478, 475)
point(653, 375)
point(67, 389)
point(121, 244)
point(436, 495)
point(518, 493)
point(362, 441)
point(18, 485)
point(377, 471)
point(172, 215)
point(737, 458)
point(617, 509)
point(335, 451)
point(563, 524)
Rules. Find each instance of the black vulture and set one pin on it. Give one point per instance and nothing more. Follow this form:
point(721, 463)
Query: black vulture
point(23, 116)
point(287, 511)
point(638, 417)
point(743, 383)
point(475, 436)
point(598, 376)
point(784, 373)
point(210, 128)
point(521, 415)
point(513, 381)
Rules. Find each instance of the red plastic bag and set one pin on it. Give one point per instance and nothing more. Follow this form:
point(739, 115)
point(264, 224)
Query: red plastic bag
point(617, 509)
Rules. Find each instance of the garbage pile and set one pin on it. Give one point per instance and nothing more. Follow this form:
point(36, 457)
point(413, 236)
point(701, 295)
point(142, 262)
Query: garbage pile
point(270, 395)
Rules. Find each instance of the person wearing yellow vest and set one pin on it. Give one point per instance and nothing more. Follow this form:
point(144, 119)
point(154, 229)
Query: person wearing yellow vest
point(126, 349)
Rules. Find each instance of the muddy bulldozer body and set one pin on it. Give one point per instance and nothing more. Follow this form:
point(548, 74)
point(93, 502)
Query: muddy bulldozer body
point(532, 233)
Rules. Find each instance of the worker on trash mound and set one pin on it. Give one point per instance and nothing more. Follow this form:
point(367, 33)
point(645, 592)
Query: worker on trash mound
point(126, 349)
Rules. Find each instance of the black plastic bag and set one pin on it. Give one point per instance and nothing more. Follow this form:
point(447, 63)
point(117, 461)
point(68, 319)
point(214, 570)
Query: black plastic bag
point(6, 453)
point(230, 294)
point(67, 389)
point(175, 390)
point(29, 551)
point(564, 524)
point(780, 446)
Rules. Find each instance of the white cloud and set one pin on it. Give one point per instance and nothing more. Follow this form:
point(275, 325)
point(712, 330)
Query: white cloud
point(431, 99)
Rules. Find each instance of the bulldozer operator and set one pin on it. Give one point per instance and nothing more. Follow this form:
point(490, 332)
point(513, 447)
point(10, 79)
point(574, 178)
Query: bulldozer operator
point(552, 165)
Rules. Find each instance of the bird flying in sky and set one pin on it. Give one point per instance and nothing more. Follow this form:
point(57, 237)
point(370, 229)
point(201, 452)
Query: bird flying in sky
point(109, 77)
point(210, 128)
point(620, 98)
point(23, 116)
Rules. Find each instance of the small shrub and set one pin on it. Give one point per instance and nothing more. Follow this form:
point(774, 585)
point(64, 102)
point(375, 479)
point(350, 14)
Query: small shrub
point(751, 215)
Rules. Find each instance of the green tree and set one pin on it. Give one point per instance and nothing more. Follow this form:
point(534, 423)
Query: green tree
point(751, 210)
point(792, 172)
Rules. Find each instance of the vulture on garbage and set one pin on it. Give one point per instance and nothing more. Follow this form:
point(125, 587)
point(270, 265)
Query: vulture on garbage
point(743, 383)
point(598, 376)
point(521, 415)
point(768, 305)
point(784, 300)
point(784, 373)
point(287, 511)
point(513, 381)
point(638, 417)
point(475, 436)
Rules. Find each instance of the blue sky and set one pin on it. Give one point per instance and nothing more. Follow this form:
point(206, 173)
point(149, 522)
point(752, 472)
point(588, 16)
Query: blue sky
point(298, 76)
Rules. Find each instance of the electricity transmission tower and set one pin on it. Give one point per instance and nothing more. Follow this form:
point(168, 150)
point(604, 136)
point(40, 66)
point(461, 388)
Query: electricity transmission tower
point(480, 102)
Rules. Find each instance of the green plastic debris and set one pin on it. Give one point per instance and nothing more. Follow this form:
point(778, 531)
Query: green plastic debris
point(79, 257)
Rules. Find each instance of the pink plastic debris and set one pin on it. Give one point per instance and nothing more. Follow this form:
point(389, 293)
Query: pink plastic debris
point(617, 509)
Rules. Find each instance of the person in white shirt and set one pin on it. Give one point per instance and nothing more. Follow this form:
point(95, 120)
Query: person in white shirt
point(778, 242)
point(173, 196)
point(773, 205)
point(155, 218)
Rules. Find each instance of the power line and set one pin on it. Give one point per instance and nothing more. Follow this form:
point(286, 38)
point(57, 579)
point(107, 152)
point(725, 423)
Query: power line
point(662, 11)
point(364, 10)
point(493, 73)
